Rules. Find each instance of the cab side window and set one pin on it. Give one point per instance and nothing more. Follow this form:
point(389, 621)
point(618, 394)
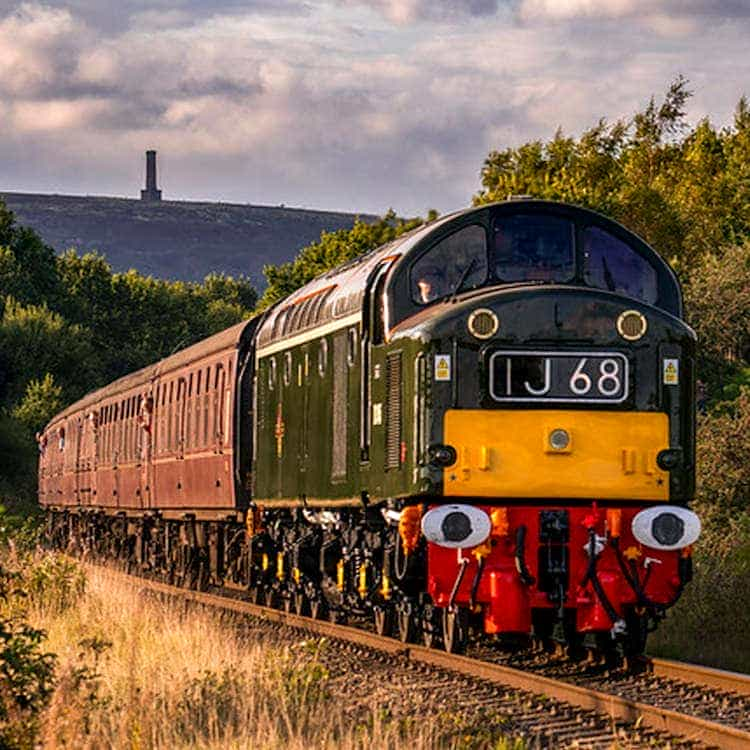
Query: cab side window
point(614, 265)
point(456, 263)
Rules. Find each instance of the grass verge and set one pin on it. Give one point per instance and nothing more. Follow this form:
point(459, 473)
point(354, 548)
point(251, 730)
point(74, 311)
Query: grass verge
point(132, 671)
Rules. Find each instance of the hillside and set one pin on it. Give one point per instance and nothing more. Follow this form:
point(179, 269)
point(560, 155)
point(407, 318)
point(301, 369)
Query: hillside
point(175, 239)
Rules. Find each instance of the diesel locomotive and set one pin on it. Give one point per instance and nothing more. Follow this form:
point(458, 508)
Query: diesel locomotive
point(487, 423)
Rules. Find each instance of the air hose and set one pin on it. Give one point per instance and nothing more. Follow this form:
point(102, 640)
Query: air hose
point(595, 583)
point(684, 570)
point(523, 571)
point(475, 582)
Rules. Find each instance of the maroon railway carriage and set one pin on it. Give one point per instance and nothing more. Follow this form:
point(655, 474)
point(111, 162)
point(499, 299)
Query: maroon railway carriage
point(164, 437)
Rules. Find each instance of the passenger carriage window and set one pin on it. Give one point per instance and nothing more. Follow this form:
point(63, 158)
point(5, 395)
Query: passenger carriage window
point(189, 413)
point(614, 265)
point(351, 349)
point(457, 262)
point(218, 403)
point(533, 247)
point(170, 416)
point(197, 410)
point(206, 397)
point(322, 357)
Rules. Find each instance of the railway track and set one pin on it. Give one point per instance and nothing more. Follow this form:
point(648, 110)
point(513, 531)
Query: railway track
point(562, 704)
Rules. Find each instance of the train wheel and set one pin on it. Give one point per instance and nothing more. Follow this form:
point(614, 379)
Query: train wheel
point(382, 616)
point(405, 622)
point(455, 629)
point(203, 579)
point(431, 626)
point(300, 603)
point(336, 616)
point(318, 609)
point(634, 644)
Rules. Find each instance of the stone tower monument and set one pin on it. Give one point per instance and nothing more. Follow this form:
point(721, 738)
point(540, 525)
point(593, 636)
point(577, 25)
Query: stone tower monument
point(151, 193)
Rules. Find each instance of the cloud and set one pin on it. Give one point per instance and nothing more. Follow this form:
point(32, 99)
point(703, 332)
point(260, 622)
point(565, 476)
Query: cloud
point(112, 17)
point(684, 14)
point(321, 103)
point(409, 11)
point(665, 15)
point(35, 45)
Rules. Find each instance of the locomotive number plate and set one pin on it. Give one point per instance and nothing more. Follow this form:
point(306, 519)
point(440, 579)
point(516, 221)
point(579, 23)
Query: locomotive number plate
point(562, 377)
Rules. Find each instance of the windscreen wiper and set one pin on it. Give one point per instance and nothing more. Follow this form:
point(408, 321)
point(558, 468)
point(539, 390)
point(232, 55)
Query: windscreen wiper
point(462, 279)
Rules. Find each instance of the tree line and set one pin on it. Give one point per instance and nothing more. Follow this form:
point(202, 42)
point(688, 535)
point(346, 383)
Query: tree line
point(68, 324)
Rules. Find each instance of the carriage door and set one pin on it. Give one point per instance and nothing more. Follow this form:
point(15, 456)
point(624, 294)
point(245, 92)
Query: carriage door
point(80, 463)
point(373, 335)
point(303, 381)
point(146, 437)
point(87, 460)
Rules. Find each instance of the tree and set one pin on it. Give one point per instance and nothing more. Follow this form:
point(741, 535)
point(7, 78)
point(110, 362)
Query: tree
point(42, 400)
point(718, 307)
point(27, 265)
point(333, 249)
point(34, 341)
point(684, 190)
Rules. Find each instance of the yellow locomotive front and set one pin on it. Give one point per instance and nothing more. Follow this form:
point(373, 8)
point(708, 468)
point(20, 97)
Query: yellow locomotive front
point(558, 455)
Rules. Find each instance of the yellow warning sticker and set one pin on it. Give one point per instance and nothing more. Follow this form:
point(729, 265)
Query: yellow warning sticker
point(442, 367)
point(671, 372)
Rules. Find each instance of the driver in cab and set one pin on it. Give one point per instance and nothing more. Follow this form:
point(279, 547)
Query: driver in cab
point(431, 285)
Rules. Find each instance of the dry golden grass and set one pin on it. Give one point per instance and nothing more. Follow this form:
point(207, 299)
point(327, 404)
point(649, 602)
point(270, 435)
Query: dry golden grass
point(136, 672)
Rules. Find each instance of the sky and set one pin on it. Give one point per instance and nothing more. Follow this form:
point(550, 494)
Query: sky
point(353, 105)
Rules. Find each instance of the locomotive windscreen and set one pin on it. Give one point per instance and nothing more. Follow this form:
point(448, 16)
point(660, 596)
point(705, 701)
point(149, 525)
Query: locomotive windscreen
point(613, 265)
point(533, 247)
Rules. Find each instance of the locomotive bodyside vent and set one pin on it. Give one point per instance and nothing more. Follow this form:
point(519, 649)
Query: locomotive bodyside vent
point(393, 412)
point(340, 398)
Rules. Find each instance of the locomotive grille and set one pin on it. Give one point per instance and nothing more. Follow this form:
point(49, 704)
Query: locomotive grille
point(340, 397)
point(393, 411)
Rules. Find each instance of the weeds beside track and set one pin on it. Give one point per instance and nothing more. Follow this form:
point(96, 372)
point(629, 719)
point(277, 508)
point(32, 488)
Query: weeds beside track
point(595, 717)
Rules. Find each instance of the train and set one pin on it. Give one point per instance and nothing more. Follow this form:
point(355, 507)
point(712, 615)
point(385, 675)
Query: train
point(485, 427)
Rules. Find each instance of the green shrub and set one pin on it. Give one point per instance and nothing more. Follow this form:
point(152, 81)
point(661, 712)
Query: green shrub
point(54, 582)
point(709, 625)
point(26, 683)
point(212, 706)
point(42, 400)
point(723, 477)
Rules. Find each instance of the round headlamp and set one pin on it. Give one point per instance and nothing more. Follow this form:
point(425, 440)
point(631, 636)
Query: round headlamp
point(483, 323)
point(632, 325)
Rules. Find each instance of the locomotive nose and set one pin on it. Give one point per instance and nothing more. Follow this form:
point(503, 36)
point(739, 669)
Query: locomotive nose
point(456, 526)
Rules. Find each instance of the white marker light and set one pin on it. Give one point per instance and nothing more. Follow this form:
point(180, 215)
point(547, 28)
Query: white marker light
point(666, 527)
point(456, 526)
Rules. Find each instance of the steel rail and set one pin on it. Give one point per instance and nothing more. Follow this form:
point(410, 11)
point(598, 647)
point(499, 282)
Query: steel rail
point(620, 709)
point(733, 682)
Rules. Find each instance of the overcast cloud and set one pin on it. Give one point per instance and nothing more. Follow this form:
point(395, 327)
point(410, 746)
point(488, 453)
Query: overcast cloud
point(340, 104)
